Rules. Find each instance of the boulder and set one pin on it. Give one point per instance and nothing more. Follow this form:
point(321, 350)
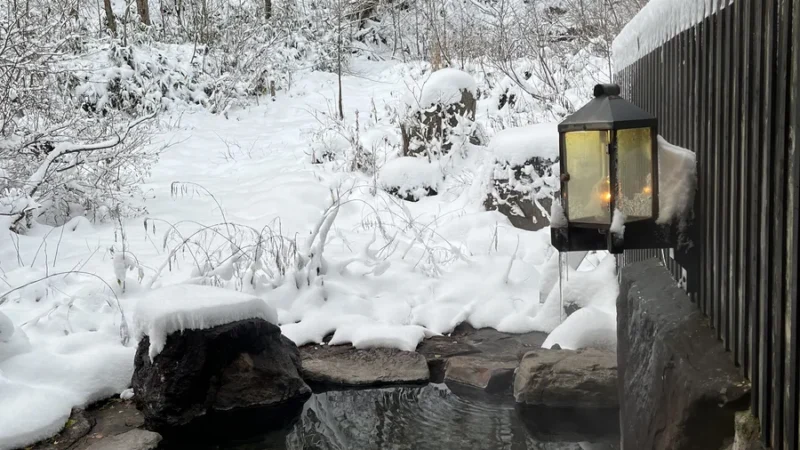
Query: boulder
point(523, 182)
point(567, 379)
point(238, 366)
point(344, 366)
point(682, 390)
point(437, 350)
point(446, 96)
point(489, 374)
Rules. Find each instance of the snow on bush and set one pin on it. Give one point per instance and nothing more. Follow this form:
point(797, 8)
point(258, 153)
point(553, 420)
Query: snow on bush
point(411, 178)
point(677, 179)
point(190, 307)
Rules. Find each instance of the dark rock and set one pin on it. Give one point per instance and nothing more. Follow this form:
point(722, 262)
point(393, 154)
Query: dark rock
point(567, 379)
point(136, 439)
point(435, 123)
point(547, 424)
point(497, 344)
point(438, 349)
point(681, 389)
point(342, 365)
point(483, 372)
point(245, 364)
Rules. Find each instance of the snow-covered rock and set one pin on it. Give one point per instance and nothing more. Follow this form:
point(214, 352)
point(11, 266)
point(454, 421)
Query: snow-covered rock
point(192, 307)
point(524, 176)
point(238, 365)
point(518, 146)
point(445, 86)
point(411, 178)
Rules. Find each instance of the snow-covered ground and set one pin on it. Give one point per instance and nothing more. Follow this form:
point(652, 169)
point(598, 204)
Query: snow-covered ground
point(387, 273)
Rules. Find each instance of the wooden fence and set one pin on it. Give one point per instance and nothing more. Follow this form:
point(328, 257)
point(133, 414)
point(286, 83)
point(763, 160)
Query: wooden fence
point(729, 89)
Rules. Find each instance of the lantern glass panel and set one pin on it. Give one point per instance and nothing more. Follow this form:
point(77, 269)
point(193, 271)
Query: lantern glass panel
point(635, 173)
point(588, 190)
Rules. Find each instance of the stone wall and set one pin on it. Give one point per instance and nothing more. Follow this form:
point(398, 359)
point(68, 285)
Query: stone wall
point(679, 389)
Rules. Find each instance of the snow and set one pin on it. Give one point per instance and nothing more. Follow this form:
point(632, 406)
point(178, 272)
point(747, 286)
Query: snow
point(445, 87)
point(410, 176)
point(40, 387)
point(677, 180)
point(587, 327)
point(519, 145)
point(6, 328)
point(618, 224)
point(190, 307)
point(658, 22)
point(557, 217)
point(387, 272)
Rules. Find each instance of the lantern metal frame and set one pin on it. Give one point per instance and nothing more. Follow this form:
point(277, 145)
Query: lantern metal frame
point(608, 111)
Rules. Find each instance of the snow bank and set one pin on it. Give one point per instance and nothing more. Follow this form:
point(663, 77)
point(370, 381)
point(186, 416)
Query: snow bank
point(519, 145)
point(677, 179)
point(597, 288)
point(658, 22)
point(6, 328)
point(586, 327)
point(402, 337)
point(410, 176)
point(445, 86)
point(39, 388)
point(180, 307)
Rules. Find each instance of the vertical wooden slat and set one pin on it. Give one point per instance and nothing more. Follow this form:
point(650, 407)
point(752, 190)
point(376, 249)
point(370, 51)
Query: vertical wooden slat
point(734, 311)
point(777, 169)
point(715, 148)
point(721, 174)
point(703, 173)
point(753, 220)
point(743, 173)
point(792, 230)
point(764, 257)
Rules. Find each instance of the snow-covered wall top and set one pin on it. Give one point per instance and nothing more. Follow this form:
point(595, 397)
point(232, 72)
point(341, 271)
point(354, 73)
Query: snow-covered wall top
point(658, 22)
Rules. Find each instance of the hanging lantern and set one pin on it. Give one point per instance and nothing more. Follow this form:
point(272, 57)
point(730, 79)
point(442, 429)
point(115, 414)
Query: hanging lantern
point(609, 177)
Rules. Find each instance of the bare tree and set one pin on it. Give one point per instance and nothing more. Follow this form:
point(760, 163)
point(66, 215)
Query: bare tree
point(144, 11)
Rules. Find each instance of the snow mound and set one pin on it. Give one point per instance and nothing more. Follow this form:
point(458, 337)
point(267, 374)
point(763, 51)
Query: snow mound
point(586, 327)
point(677, 178)
point(408, 176)
point(402, 337)
point(39, 388)
point(516, 146)
point(658, 22)
point(181, 307)
point(445, 87)
point(6, 328)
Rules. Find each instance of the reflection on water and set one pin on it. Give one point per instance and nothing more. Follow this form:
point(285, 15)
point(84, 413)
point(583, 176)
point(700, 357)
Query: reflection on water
point(397, 418)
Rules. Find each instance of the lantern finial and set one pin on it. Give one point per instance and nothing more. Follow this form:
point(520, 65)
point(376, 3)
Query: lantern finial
point(601, 90)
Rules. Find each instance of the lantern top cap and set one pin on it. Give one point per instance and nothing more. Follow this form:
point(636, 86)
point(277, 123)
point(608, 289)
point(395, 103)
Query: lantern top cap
point(601, 90)
point(607, 111)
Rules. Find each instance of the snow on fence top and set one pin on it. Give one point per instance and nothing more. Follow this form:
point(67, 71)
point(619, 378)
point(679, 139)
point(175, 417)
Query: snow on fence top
point(176, 308)
point(658, 22)
point(445, 85)
point(516, 146)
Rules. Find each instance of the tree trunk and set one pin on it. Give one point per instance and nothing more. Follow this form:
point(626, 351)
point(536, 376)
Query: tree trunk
point(267, 9)
point(110, 19)
point(144, 11)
